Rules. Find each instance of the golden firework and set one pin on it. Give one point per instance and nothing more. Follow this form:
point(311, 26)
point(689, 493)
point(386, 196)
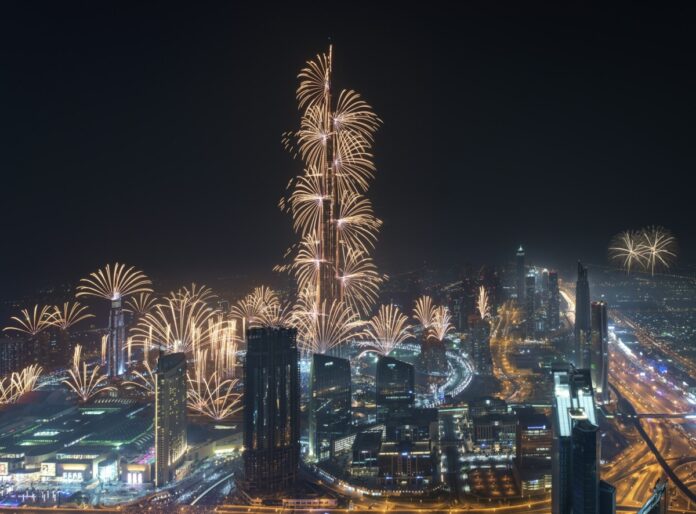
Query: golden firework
point(15, 386)
point(659, 248)
point(144, 379)
point(114, 283)
point(386, 330)
point(321, 328)
point(31, 322)
point(482, 303)
point(625, 248)
point(213, 396)
point(68, 314)
point(140, 304)
point(84, 383)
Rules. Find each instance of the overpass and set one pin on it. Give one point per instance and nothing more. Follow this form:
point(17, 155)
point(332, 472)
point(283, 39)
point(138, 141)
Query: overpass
point(668, 415)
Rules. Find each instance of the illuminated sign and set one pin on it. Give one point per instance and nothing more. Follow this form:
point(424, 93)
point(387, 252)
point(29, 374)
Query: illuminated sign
point(48, 469)
point(4, 469)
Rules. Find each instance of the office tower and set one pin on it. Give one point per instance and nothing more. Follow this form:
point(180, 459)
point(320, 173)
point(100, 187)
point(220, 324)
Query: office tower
point(534, 437)
point(554, 307)
point(395, 384)
point(544, 282)
point(116, 364)
point(573, 450)
point(581, 357)
point(495, 431)
point(658, 502)
point(599, 355)
point(520, 274)
point(585, 467)
point(271, 409)
point(607, 498)
point(170, 416)
point(480, 345)
point(530, 305)
point(329, 404)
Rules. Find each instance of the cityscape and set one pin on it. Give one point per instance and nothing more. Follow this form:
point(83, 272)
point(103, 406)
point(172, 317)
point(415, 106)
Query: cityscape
point(304, 367)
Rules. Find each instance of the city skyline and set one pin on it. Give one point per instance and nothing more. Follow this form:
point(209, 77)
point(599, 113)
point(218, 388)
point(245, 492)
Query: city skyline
point(168, 104)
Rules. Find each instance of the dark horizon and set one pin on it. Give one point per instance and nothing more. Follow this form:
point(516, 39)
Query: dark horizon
point(150, 134)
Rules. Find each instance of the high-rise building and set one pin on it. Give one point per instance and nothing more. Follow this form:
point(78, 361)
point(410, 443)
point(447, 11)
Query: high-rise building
point(573, 402)
point(530, 304)
point(116, 363)
point(585, 467)
point(599, 355)
point(554, 315)
point(271, 409)
point(534, 437)
point(520, 274)
point(395, 383)
point(581, 352)
point(479, 339)
point(170, 416)
point(607, 498)
point(329, 404)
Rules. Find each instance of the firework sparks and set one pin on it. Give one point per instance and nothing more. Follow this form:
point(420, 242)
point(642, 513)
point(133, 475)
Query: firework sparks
point(213, 396)
point(68, 314)
point(114, 283)
point(144, 379)
point(31, 322)
point(179, 324)
point(441, 323)
point(386, 330)
point(625, 248)
point(139, 305)
point(359, 282)
point(15, 386)
point(322, 328)
point(659, 247)
point(85, 383)
point(424, 312)
point(255, 307)
point(482, 303)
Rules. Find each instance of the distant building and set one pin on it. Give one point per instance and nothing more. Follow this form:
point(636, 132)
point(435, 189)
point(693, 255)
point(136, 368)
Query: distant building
point(405, 464)
point(271, 410)
point(116, 359)
point(170, 416)
point(366, 449)
point(329, 404)
point(495, 430)
point(575, 443)
point(480, 345)
point(534, 437)
point(13, 354)
point(599, 355)
point(581, 352)
point(395, 381)
point(486, 405)
point(554, 317)
point(530, 305)
point(520, 274)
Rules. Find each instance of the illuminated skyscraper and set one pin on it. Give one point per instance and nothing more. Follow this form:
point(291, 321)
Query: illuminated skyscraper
point(330, 403)
point(396, 384)
point(520, 274)
point(271, 409)
point(170, 416)
point(599, 355)
point(581, 352)
point(116, 364)
point(530, 304)
point(554, 317)
point(575, 447)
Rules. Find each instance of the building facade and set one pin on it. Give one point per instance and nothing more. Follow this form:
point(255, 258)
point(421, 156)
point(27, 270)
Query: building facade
point(396, 383)
point(271, 409)
point(581, 351)
point(599, 355)
point(170, 416)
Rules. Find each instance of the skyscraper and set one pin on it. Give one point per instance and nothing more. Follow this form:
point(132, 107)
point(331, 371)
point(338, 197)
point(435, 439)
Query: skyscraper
point(520, 274)
point(170, 416)
point(530, 304)
point(554, 302)
point(658, 503)
point(330, 403)
point(116, 365)
point(271, 409)
point(395, 383)
point(480, 345)
point(573, 450)
point(599, 355)
point(581, 352)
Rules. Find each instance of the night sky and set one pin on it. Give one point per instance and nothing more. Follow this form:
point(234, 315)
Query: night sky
point(151, 134)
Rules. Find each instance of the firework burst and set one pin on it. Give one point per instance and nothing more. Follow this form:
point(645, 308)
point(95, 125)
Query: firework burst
point(140, 304)
point(212, 396)
point(144, 379)
point(257, 308)
point(31, 322)
point(441, 325)
point(386, 330)
point(68, 314)
point(113, 283)
point(659, 247)
point(625, 248)
point(482, 303)
point(15, 386)
point(321, 328)
point(84, 383)
point(424, 312)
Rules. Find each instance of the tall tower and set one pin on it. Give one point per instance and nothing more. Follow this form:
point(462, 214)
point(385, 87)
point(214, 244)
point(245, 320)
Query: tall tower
point(170, 416)
point(330, 403)
point(520, 274)
point(581, 357)
point(271, 409)
point(396, 384)
point(599, 355)
point(116, 364)
point(575, 449)
point(530, 304)
point(554, 301)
